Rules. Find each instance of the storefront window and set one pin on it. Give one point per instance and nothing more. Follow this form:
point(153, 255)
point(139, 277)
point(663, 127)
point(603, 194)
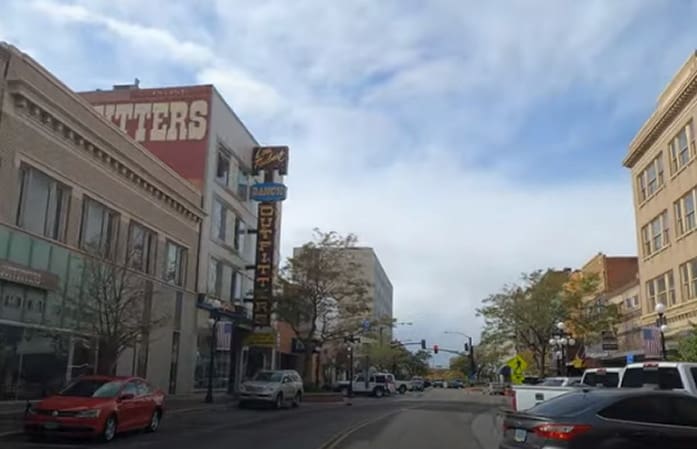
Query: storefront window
point(221, 371)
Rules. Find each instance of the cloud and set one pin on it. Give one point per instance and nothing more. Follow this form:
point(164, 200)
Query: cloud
point(466, 141)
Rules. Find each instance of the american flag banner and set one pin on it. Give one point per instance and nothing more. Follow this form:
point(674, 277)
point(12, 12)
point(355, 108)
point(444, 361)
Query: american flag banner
point(651, 338)
point(223, 336)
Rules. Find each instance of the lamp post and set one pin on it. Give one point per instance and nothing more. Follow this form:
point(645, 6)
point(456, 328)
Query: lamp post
point(561, 340)
point(213, 324)
point(662, 325)
point(350, 340)
point(468, 348)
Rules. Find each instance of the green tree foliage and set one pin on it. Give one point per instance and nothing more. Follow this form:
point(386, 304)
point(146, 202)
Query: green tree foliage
point(398, 360)
point(322, 294)
point(687, 348)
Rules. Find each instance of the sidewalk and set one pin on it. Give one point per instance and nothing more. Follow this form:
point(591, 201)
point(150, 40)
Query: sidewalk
point(11, 412)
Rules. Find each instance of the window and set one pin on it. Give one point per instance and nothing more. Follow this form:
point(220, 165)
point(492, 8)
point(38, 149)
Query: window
point(215, 277)
point(143, 389)
point(43, 204)
point(646, 409)
point(130, 388)
point(688, 279)
point(240, 233)
point(664, 378)
point(685, 213)
point(651, 179)
point(175, 261)
point(142, 243)
point(242, 185)
point(655, 235)
point(236, 286)
point(569, 404)
point(222, 172)
point(218, 220)
point(679, 148)
point(661, 289)
point(100, 227)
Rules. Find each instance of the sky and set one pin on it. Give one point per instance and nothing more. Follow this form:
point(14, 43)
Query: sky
point(467, 142)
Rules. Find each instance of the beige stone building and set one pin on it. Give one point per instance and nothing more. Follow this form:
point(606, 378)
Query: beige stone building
point(76, 191)
point(664, 179)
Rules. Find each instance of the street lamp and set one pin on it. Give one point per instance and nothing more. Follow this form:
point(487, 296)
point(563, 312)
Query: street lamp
point(213, 324)
point(561, 340)
point(662, 325)
point(471, 350)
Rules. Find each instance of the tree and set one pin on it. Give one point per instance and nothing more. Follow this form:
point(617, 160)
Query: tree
point(526, 313)
point(322, 293)
point(589, 314)
point(687, 348)
point(115, 305)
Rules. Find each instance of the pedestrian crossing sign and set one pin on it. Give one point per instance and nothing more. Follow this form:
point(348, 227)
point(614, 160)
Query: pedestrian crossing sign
point(518, 366)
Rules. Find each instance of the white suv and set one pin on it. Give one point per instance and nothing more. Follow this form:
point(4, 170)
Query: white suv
point(277, 387)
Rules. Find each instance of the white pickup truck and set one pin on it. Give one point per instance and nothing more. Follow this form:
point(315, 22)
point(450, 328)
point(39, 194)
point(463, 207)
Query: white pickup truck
point(662, 375)
point(528, 396)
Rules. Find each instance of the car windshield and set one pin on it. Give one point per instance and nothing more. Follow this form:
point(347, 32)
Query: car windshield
point(94, 388)
point(268, 376)
point(566, 405)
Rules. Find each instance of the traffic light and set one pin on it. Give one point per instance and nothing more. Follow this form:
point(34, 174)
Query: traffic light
point(423, 344)
point(435, 349)
point(467, 347)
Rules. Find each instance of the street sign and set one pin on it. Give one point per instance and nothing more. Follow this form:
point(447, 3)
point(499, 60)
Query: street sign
point(261, 340)
point(630, 358)
point(268, 191)
point(518, 366)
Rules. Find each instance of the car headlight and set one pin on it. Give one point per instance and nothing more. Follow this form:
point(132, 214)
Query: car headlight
point(92, 413)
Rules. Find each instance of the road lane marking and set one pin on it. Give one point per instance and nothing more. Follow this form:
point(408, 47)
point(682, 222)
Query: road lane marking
point(340, 437)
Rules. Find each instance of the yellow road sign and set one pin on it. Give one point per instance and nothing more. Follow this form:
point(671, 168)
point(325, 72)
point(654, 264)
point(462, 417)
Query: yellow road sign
point(261, 340)
point(518, 366)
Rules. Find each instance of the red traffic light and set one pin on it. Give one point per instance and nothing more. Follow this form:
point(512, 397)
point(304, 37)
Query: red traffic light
point(435, 349)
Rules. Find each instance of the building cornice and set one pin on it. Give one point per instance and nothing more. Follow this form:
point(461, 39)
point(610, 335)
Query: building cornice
point(660, 120)
point(27, 102)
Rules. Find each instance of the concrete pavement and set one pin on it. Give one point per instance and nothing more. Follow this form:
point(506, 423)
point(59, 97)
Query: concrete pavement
point(440, 418)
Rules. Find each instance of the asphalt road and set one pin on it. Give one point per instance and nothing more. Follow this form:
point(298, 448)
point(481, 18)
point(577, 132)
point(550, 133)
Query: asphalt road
point(441, 419)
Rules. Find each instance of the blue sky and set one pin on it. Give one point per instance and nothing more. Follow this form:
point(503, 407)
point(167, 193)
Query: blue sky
point(465, 142)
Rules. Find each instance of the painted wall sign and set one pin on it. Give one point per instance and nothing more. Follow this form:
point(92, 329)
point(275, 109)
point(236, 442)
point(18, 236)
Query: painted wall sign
point(263, 272)
point(261, 340)
point(269, 159)
point(172, 123)
point(269, 192)
point(18, 274)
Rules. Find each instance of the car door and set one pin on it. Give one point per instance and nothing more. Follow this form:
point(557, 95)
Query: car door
point(129, 408)
point(640, 422)
point(287, 387)
point(684, 422)
point(146, 403)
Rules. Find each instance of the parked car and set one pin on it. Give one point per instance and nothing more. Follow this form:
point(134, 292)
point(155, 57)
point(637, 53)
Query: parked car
point(402, 386)
point(602, 377)
point(97, 406)
point(377, 385)
point(276, 387)
point(417, 384)
point(438, 383)
point(605, 418)
point(456, 384)
point(662, 375)
point(427, 383)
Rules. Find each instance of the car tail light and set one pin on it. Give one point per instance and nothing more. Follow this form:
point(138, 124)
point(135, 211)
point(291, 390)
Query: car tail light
point(602, 371)
point(561, 432)
point(651, 365)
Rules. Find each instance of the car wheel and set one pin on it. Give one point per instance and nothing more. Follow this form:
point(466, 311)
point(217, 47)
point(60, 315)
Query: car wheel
point(297, 399)
point(402, 389)
point(278, 403)
point(379, 392)
point(154, 421)
point(109, 431)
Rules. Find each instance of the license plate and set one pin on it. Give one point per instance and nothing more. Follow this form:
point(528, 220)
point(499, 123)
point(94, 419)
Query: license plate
point(520, 435)
point(51, 425)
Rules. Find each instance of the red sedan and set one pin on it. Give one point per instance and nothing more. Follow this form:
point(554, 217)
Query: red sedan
point(98, 406)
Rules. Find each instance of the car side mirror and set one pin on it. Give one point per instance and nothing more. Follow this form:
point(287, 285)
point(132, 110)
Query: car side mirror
point(126, 396)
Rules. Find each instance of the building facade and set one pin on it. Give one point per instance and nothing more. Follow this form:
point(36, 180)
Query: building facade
point(195, 132)
point(78, 198)
point(664, 181)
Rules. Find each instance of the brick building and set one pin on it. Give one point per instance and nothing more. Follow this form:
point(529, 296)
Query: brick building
point(76, 192)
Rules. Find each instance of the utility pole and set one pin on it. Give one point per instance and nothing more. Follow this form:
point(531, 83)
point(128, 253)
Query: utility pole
point(472, 366)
